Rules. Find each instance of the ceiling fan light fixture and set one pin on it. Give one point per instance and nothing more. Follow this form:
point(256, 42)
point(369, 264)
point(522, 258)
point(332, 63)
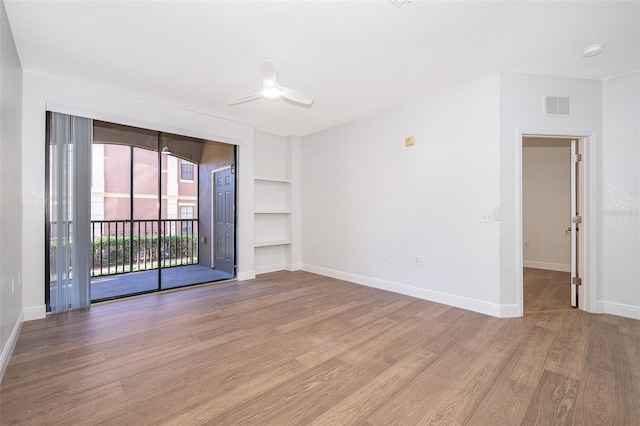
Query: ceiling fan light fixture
point(271, 93)
point(593, 50)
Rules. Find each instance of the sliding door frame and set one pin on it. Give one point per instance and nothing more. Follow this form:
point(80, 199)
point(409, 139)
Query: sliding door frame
point(159, 144)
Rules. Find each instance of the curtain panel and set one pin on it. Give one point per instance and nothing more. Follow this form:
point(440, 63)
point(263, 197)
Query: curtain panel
point(69, 141)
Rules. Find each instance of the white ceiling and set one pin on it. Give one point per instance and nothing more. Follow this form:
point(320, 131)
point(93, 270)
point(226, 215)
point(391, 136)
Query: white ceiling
point(356, 57)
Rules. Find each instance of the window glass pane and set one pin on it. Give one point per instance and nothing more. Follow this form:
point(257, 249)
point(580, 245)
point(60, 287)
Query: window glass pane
point(186, 170)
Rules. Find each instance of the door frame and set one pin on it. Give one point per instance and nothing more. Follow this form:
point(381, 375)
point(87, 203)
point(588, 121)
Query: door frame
point(587, 207)
point(212, 237)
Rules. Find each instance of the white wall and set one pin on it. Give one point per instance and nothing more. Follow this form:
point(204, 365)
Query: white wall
point(370, 205)
point(42, 93)
point(619, 190)
point(10, 192)
point(521, 106)
point(272, 156)
point(546, 203)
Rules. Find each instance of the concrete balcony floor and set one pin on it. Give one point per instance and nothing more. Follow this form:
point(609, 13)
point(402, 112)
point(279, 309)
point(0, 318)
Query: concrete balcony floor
point(111, 286)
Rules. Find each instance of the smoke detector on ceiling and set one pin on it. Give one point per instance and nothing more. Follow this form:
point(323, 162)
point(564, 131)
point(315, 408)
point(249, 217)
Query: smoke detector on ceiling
point(593, 50)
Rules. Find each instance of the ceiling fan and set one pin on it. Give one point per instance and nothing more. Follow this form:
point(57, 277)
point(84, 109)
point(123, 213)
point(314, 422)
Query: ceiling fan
point(272, 91)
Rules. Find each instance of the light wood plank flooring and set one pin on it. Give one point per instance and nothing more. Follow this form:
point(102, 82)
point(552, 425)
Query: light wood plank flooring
point(546, 290)
point(293, 348)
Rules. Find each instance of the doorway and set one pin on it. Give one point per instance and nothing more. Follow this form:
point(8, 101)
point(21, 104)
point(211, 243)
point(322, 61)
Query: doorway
point(552, 191)
point(224, 218)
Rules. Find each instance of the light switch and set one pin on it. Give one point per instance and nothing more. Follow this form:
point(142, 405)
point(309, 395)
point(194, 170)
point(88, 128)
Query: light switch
point(486, 217)
point(408, 141)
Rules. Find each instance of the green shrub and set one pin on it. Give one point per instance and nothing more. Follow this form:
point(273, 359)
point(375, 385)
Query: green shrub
point(114, 252)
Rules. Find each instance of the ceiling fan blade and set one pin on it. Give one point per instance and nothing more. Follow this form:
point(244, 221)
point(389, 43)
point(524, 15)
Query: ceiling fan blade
point(269, 73)
point(296, 96)
point(244, 99)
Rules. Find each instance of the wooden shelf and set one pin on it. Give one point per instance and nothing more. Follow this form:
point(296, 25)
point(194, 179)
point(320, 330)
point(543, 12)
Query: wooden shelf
point(272, 179)
point(271, 243)
point(262, 211)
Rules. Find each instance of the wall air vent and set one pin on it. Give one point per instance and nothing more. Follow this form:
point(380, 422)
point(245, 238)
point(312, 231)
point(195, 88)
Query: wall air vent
point(556, 105)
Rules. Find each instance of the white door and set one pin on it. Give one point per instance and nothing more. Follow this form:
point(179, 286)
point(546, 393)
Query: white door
point(224, 190)
point(576, 220)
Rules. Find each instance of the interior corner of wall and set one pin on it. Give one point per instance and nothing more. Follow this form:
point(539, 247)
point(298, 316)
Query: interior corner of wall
point(34, 313)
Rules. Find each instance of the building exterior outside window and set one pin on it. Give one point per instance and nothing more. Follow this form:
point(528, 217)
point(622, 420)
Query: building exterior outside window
point(111, 192)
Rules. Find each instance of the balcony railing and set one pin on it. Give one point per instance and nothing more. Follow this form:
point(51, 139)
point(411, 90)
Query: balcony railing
point(123, 246)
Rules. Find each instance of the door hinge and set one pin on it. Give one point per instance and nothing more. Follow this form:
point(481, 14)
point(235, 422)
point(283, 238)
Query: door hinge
point(577, 158)
point(576, 280)
point(576, 219)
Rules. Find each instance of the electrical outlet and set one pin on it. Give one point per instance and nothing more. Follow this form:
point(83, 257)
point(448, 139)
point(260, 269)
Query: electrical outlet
point(417, 261)
point(526, 244)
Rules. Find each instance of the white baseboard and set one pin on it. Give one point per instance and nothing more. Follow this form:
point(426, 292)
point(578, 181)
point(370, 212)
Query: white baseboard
point(35, 312)
point(7, 350)
point(265, 269)
point(546, 265)
point(619, 309)
point(245, 275)
point(421, 293)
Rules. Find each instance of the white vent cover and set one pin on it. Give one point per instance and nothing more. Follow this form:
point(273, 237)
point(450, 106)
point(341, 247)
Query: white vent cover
point(556, 105)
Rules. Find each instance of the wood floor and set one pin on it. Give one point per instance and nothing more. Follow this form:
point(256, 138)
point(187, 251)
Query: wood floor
point(546, 290)
point(293, 348)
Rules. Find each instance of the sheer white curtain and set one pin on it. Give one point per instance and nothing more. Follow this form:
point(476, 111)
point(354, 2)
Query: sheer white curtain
point(69, 144)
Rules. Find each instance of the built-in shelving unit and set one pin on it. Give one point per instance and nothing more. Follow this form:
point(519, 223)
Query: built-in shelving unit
point(272, 210)
point(272, 203)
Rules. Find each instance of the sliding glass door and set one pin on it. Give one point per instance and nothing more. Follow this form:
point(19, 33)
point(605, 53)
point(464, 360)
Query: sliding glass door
point(110, 218)
point(179, 212)
point(124, 211)
point(147, 214)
